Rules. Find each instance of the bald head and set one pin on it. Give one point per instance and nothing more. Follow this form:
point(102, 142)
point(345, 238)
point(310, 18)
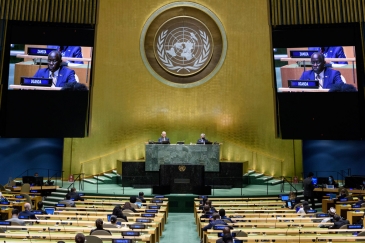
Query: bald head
point(318, 62)
point(226, 230)
point(27, 206)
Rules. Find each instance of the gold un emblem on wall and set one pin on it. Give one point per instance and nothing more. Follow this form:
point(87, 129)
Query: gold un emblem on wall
point(183, 44)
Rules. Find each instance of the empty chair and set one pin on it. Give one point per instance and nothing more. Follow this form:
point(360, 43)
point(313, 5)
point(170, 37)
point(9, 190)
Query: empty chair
point(25, 188)
point(92, 239)
point(122, 220)
point(361, 234)
point(100, 232)
point(128, 212)
point(27, 198)
point(110, 226)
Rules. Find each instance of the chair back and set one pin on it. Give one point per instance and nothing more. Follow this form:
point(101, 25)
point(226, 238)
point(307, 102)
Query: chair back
point(25, 188)
point(65, 202)
point(128, 212)
point(109, 226)
point(361, 234)
point(92, 239)
point(2, 188)
point(27, 198)
point(138, 200)
point(100, 232)
point(121, 220)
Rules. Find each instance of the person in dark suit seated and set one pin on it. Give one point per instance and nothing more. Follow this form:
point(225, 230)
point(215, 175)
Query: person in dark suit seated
point(201, 206)
point(331, 181)
point(331, 52)
point(222, 213)
point(75, 195)
point(216, 220)
point(141, 197)
point(338, 222)
point(226, 232)
point(360, 199)
point(69, 51)
point(40, 207)
point(80, 238)
point(99, 226)
point(117, 211)
point(209, 203)
point(202, 139)
point(293, 199)
point(128, 206)
point(68, 201)
point(60, 75)
point(27, 212)
point(163, 138)
point(206, 212)
point(326, 76)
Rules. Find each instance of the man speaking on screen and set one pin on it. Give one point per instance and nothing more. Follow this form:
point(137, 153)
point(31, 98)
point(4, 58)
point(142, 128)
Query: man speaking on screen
point(60, 75)
point(326, 76)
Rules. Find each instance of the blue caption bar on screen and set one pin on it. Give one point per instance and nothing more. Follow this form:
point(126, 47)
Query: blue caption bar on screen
point(36, 81)
point(303, 84)
point(36, 51)
point(303, 54)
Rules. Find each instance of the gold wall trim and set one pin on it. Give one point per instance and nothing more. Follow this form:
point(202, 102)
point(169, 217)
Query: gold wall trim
point(62, 11)
point(292, 12)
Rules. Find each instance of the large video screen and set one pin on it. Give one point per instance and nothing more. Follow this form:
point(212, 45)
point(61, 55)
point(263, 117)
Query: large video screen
point(49, 67)
point(316, 69)
point(46, 79)
point(318, 81)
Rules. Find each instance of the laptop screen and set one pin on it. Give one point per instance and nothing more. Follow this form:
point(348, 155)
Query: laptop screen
point(49, 211)
point(109, 216)
point(314, 180)
point(289, 204)
point(284, 197)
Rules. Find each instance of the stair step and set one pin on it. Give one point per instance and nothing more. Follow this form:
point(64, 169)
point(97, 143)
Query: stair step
point(49, 203)
point(92, 181)
point(62, 190)
point(59, 194)
point(249, 172)
point(274, 182)
point(102, 178)
point(265, 178)
point(111, 175)
point(51, 198)
point(256, 175)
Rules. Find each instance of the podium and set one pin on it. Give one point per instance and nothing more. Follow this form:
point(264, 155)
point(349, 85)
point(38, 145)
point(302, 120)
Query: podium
point(181, 179)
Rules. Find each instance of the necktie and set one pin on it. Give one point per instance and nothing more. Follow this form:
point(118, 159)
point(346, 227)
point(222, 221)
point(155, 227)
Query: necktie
point(54, 79)
point(318, 77)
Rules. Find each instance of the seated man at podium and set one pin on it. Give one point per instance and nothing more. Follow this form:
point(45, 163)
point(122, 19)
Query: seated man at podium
point(60, 75)
point(163, 138)
point(331, 52)
point(202, 139)
point(326, 76)
point(70, 51)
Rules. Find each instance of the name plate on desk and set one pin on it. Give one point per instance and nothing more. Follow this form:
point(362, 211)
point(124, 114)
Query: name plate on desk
point(36, 51)
point(185, 181)
point(310, 84)
point(45, 82)
point(356, 206)
point(343, 200)
point(301, 54)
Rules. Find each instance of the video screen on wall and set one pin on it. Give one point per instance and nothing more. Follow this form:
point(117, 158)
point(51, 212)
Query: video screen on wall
point(46, 79)
point(316, 69)
point(318, 81)
point(49, 67)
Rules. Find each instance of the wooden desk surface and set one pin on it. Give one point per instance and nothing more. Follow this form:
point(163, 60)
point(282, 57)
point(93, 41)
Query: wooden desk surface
point(38, 188)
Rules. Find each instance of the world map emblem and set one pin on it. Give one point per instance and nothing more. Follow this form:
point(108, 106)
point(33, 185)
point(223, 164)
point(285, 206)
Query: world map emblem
point(183, 46)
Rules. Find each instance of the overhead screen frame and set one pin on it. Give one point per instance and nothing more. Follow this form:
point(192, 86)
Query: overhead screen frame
point(318, 115)
point(39, 113)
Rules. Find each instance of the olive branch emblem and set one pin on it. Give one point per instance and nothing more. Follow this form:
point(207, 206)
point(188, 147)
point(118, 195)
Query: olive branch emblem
point(167, 62)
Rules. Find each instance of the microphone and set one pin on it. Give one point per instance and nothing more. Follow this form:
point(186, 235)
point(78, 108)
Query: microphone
point(63, 226)
point(77, 219)
point(286, 233)
point(49, 233)
point(87, 215)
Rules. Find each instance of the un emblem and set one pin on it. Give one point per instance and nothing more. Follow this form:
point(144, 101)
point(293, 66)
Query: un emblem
point(183, 46)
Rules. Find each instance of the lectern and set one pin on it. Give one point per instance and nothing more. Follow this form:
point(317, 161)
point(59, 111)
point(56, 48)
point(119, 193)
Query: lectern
point(181, 179)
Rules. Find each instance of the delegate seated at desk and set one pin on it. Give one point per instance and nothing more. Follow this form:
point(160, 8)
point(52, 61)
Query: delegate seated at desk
point(326, 76)
point(60, 75)
point(331, 52)
point(163, 138)
point(69, 51)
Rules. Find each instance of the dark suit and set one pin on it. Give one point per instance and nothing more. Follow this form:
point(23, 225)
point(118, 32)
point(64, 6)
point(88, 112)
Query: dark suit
point(70, 51)
point(27, 214)
point(100, 230)
point(214, 222)
point(308, 188)
point(330, 77)
point(75, 196)
point(161, 139)
point(65, 75)
point(201, 140)
point(331, 52)
point(338, 224)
